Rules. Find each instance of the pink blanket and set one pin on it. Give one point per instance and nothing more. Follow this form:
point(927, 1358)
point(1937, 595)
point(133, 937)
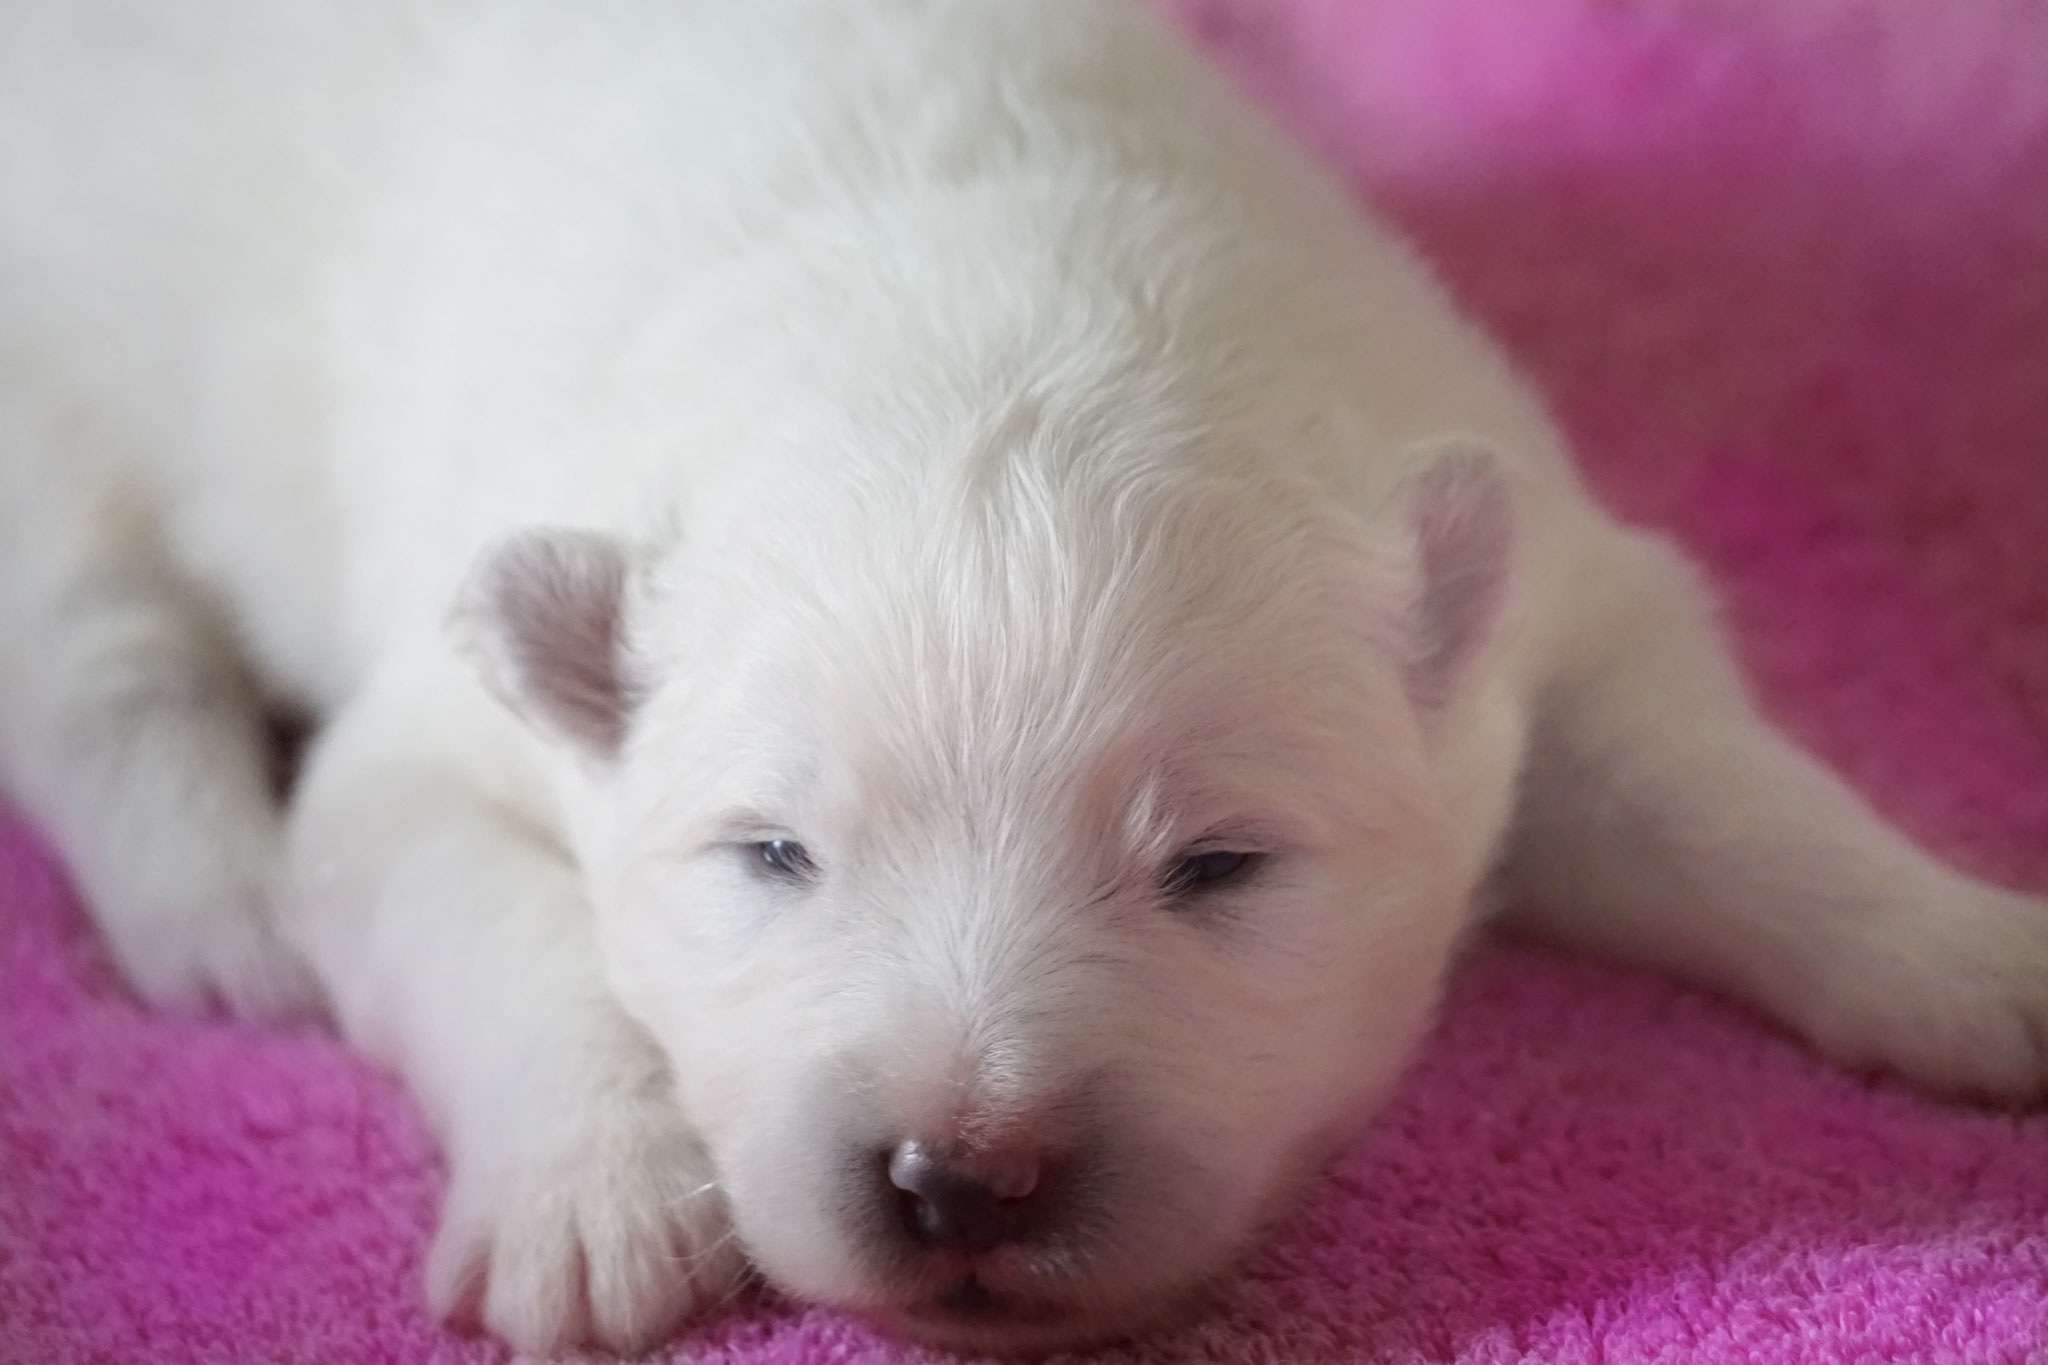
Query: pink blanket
point(1783, 265)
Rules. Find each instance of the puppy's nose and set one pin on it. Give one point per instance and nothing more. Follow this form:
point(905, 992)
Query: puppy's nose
point(970, 1202)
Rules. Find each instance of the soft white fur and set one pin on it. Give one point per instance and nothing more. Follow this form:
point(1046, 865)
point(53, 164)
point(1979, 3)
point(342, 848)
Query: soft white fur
point(954, 435)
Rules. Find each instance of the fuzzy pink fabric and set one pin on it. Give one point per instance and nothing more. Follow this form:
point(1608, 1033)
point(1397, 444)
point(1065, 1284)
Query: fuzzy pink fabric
point(1783, 266)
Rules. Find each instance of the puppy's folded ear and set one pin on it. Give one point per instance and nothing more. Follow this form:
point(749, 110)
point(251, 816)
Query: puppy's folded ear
point(541, 617)
point(1459, 517)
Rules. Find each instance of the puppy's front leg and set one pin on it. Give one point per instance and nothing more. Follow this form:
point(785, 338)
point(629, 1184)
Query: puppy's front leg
point(457, 945)
point(1663, 820)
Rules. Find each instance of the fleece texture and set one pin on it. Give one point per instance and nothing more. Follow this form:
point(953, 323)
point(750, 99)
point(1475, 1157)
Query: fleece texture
point(1782, 266)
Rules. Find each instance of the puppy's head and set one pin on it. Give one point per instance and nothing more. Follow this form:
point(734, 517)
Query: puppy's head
point(1031, 876)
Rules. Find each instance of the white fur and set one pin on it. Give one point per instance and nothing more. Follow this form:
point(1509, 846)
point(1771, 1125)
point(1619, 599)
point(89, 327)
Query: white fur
point(995, 459)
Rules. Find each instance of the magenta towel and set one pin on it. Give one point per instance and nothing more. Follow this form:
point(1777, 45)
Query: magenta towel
point(1783, 267)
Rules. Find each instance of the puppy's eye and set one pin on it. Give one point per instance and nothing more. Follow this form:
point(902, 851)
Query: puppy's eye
point(1199, 872)
point(784, 859)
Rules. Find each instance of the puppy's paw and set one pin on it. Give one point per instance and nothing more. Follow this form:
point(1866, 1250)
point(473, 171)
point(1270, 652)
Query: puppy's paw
point(598, 1224)
point(1953, 998)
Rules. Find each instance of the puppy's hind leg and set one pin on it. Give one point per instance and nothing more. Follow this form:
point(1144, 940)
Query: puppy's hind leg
point(132, 736)
point(1664, 821)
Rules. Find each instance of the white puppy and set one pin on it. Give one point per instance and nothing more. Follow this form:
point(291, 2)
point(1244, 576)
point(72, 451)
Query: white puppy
point(923, 641)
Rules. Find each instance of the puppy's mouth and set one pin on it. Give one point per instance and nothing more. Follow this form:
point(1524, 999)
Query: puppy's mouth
point(970, 1314)
point(970, 1300)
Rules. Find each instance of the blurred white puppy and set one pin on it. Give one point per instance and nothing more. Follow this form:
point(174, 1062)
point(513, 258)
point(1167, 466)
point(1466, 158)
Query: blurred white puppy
point(923, 641)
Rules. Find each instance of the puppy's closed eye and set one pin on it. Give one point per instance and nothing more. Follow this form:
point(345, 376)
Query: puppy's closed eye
point(782, 860)
point(1196, 873)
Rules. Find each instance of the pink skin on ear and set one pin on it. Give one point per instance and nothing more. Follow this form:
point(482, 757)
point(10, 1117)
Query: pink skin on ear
point(541, 618)
point(1459, 512)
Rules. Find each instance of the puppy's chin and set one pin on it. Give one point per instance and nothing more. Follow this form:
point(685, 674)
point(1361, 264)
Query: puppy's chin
point(962, 1312)
point(1014, 1303)
point(971, 1317)
point(1027, 1299)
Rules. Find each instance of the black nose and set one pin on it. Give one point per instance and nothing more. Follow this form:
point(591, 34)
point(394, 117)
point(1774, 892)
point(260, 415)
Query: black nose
point(970, 1202)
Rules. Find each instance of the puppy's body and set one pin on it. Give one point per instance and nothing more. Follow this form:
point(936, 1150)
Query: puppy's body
point(996, 463)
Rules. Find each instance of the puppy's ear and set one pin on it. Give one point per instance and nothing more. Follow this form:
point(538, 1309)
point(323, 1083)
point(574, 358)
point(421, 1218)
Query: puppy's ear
point(541, 617)
point(1460, 519)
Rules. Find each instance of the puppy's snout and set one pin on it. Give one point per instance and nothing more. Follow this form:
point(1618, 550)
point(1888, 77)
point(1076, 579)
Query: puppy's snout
point(965, 1201)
